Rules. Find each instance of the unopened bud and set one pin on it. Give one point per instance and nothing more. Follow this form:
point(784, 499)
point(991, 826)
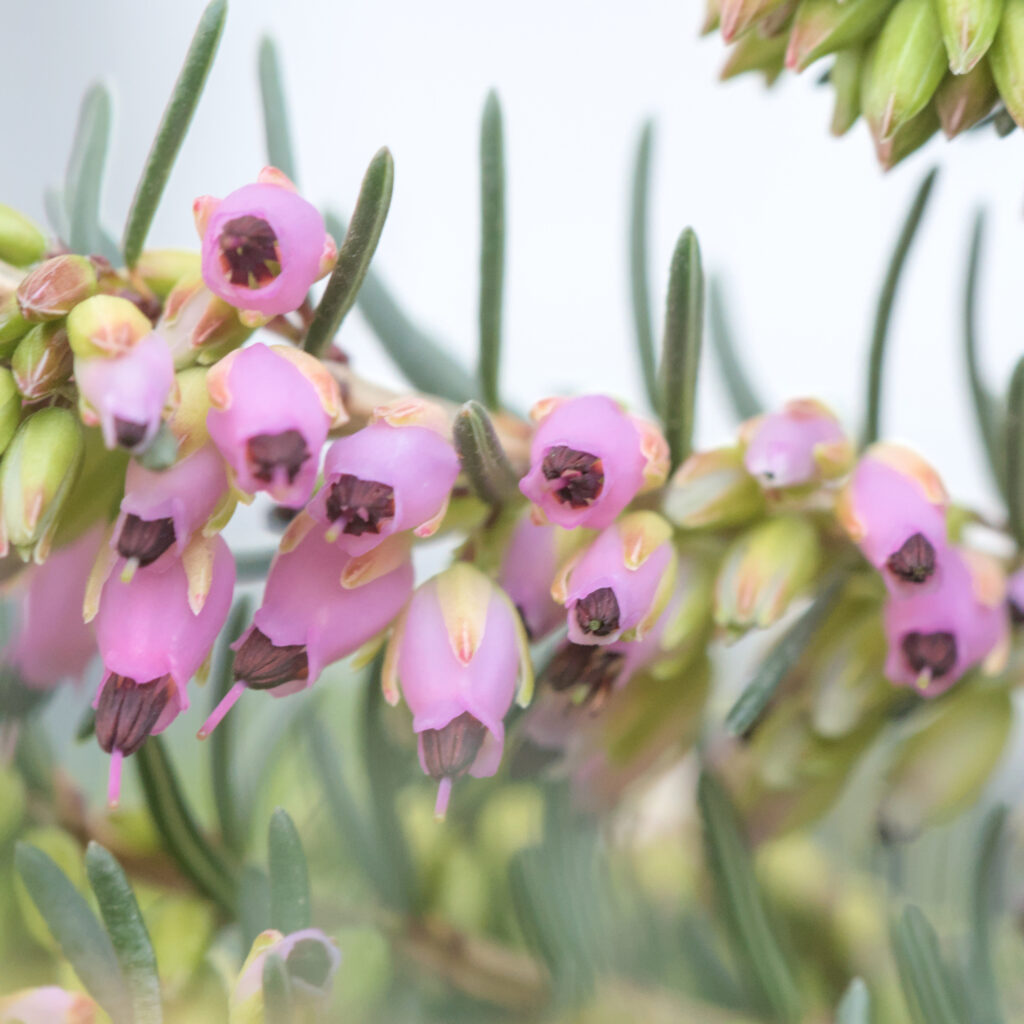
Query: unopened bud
point(713, 489)
point(822, 27)
point(755, 52)
point(162, 269)
point(106, 325)
point(737, 16)
point(712, 16)
point(42, 361)
point(12, 325)
point(10, 407)
point(968, 28)
point(198, 325)
point(1006, 57)
point(907, 139)
point(55, 287)
point(845, 76)
point(21, 241)
point(964, 100)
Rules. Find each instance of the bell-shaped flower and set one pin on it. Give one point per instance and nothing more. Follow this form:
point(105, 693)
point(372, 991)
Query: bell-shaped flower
point(319, 606)
point(263, 246)
point(155, 631)
point(47, 1005)
point(395, 474)
point(937, 634)
point(618, 586)
point(589, 459)
point(458, 654)
point(1015, 596)
point(271, 409)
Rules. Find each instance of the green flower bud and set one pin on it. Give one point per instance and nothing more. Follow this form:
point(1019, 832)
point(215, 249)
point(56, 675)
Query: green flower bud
point(908, 139)
point(1006, 57)
point(197, 325)
point(904, 69)
point(97, 491)
point(21, 241)
point(755, 52)
point(12, 325)
point(712, 16)
point(964, 100)
point(10, 407)
point(763, 571)
point(38, 470)
point(736, 16)
point(713, 489)
point(162, 269)
point(55, 287)
point(940, 769)
point(106, 325)
point(822, 27)
point(845, 76)
point(42, 361)
point(968, 28)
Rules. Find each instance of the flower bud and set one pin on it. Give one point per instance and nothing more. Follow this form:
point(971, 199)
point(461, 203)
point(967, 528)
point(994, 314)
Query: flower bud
point(271, 410)
point(907, 139)
point(1005, 56)
point(38, 469)
point(153, 640)
point(844, 77)
point(13, 326)
point(713, 489)
point(187, 420)
point(107, 326)
point(763, 571)
point(55, 287)
point(199, 326)
point(800, 445)
point(10, 407)
point(964, 100)
point(47, 1005)
point(162, 269)
point(42, 361)
point(822, 27)
point(968, 28)
point(619, 585)
point(21, 241)
point(395, 474)
point(736, 16)
point(458, 653)
point(755, 52)
point(589, 460)
point(263, 246)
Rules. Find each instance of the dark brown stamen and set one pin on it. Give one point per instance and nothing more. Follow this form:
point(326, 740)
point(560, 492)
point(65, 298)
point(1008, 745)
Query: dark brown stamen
point(360, 504)
point(268, 451)
point(262, 665)
point(915, 560)
point(145, 540)
point(128, 434)
point(127, 712)
point(1016, 612)
point(309, 962)
point(451, 750)
point(588, 666)
point(248, 252)
point(932, 652)
point(580, 475)
point(598, 612)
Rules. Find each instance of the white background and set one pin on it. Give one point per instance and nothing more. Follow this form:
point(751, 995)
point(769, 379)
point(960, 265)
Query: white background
point(802, 223)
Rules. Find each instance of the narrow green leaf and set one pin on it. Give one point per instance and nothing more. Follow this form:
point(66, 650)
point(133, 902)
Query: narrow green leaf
point(482, 456)
point(127, 932)
point(83, 179)
point(253, 903)
point(355, 253)
point(173, 126)
point(177, 827)
point(751, 932)
point(289, 876)
point(986, 900)
point(922, 972)
point(680, 348)
point(277, 992)
point(780, 659)
point(1014, 452)
point(855, 1006)
point(492, 247)
point(639, 287)
point(886, 299)
point(75, 927)
point(275, 110)
point(745, 401)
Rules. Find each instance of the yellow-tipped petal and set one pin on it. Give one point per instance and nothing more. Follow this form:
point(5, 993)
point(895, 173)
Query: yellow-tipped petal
point(464, 594)
point(433, 524)
point(384, 558)
point(413, 411)
point(320, 377)
point(389, 682)
point(106, 557)
point(296, 532)
point(197, 561)
point(642, 533)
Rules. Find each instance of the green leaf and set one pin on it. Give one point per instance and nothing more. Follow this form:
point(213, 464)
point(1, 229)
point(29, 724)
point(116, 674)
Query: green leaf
point(855, 1006)
point(482, 456)
point(923, 974)
point(289, 876)
point(275, 110)
point(1014, 452)
point(780, 659)
point(75, 927)
point(745, 401)
point(986, 900)
point(83, 179)
point(127, 932)
point(173, 126)
point(277, 991)
point(886, 299)
point(639, 288)
point(751, 932)
point(253, 903)
point(492, 247)
point(355, 253)
point(680, 349)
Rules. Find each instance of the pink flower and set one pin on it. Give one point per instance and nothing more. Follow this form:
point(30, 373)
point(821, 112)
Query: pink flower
point(263, 246)
point(937, 635)
point(1015, 596)
point(799, 445)
point(48, 1005)
point(52, 641)
point(154, 633)
point(163, 510)
point(270, 412)
point(589, 460)
point(319, 605)
point(617, 587)
point(458, 653)
point(395, 474)
point(310, 958)
point(127, 394)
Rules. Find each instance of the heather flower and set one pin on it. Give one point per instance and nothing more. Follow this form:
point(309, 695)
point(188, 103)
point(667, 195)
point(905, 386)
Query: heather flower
point(271, 409)
point(319, 605)
point(395, 474)
point(154, 632)
point(458, 653)
point(106, 325)
point(21, 240)
point(938, 634)
point(197, 324)
point(55, 287)
point(1015, 596)
point(47, 1005)
point(617, 587)
point(589, 459)
point(263, 246)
